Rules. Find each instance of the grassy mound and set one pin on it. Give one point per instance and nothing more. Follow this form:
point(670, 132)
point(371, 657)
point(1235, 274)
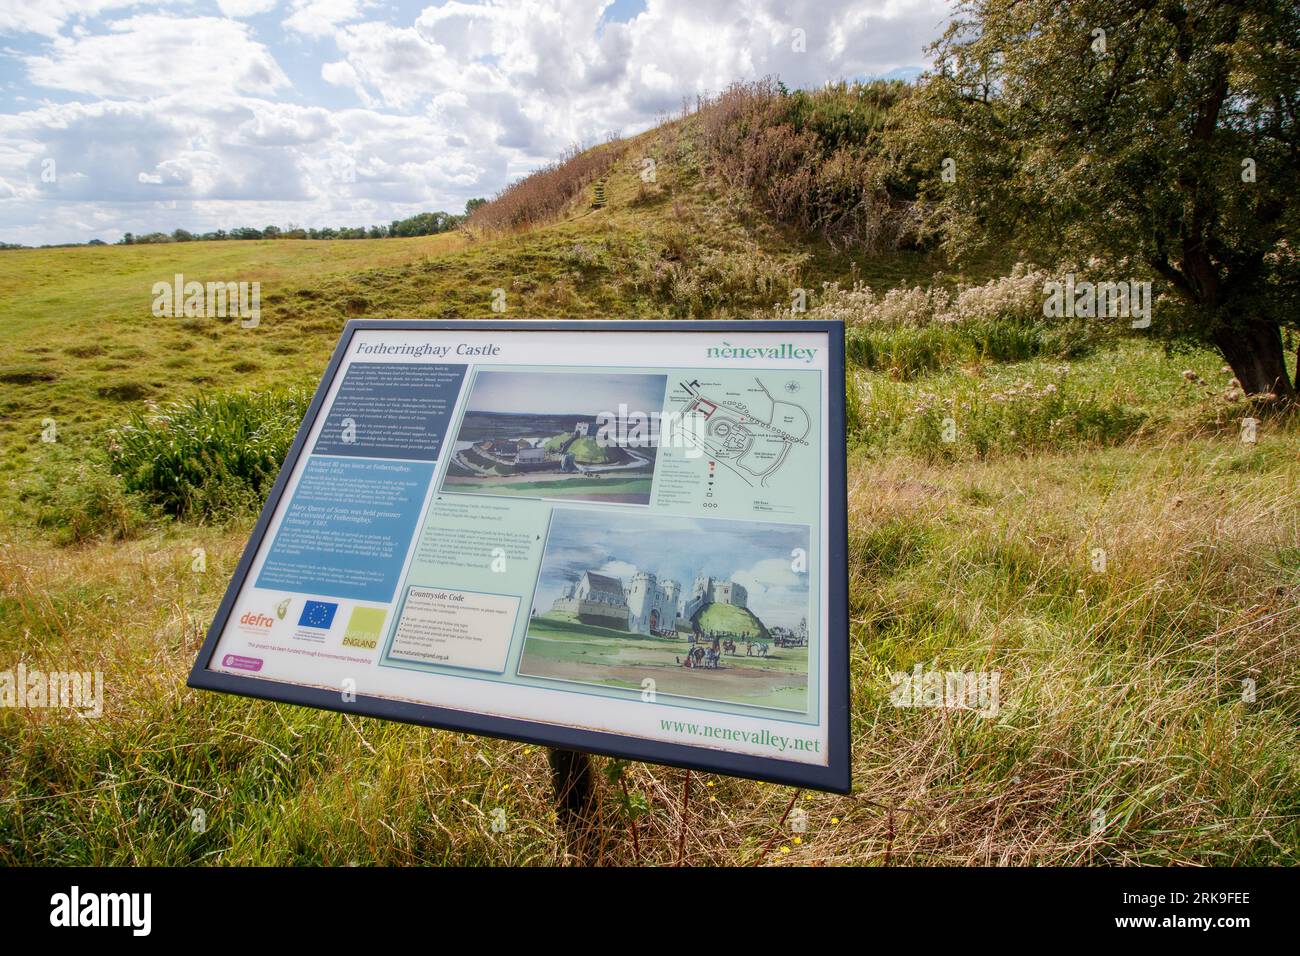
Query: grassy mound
point(729, 619)
point(586, 451)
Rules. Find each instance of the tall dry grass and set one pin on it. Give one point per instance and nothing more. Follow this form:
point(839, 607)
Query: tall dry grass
point(541, 196)
point(1120, 693)
point(810, 158)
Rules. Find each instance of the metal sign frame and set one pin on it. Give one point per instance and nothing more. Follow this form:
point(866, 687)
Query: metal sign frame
point(835, 776)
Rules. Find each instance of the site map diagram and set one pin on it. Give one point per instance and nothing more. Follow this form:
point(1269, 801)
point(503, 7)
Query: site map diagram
point(747, 428)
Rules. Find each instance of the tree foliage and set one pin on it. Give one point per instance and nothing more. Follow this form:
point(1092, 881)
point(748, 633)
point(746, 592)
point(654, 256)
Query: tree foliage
point(1155, 135)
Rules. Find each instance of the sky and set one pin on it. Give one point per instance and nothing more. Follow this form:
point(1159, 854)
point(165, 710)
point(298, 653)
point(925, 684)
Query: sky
point(755, 554)
point(145, 115)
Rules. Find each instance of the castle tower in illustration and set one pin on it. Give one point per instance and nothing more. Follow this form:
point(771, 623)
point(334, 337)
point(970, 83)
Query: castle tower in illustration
point(708, 590)
point(652, 605)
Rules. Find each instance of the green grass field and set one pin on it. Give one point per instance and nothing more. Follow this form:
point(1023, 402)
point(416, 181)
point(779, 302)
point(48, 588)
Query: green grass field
point(1109, 546)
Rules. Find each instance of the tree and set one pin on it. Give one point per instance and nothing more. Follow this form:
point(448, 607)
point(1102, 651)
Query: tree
point(472, 204)
point(1158, 135)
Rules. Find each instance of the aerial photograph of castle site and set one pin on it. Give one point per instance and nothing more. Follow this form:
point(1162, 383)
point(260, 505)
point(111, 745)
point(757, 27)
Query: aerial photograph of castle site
point(588, 436)
point(707, 608)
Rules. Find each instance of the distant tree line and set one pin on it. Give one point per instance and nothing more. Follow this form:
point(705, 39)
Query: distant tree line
point(421, 224)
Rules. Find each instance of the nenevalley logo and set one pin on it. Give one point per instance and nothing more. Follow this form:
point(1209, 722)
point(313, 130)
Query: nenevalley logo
point(785, 350)
point(103, 909)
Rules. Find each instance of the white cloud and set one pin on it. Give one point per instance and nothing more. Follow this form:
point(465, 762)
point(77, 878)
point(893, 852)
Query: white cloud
point(618, 569)
point(48, 17)
point(151, 55)
point(282, 124)
point(320, 18)
point(777, 594)
point(176, 118)
point(246, 8)
point(342, 73)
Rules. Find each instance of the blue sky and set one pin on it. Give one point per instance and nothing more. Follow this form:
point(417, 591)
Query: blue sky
point(756, 554)
point(139, 115)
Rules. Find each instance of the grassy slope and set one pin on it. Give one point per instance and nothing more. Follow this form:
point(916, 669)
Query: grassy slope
point(83, 316)
point(1120, 690)
point(729, 620)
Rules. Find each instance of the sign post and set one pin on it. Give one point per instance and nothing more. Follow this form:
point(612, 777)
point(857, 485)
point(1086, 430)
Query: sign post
point(619, 538)
point(575, 803)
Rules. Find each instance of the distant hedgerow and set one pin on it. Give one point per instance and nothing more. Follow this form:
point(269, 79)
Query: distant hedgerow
point(213, 456)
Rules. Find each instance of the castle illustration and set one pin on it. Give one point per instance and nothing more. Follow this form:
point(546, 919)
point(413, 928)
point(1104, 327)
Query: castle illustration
point(648, 604)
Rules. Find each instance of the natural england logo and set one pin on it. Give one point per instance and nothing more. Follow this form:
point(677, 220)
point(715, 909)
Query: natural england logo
point(211, 300)
point(1101, 300)
point(79, 691)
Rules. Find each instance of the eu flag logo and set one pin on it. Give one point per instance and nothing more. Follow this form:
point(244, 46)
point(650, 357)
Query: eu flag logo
point(317, 614)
